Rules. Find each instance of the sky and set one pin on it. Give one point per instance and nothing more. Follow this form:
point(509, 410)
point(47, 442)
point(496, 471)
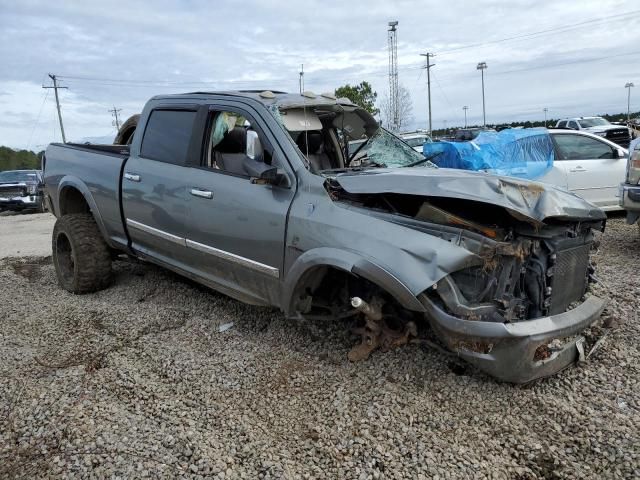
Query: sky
point(572, 57)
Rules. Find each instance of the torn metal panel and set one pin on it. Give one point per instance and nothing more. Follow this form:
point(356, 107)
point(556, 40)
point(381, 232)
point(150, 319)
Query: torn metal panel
point(532, 201)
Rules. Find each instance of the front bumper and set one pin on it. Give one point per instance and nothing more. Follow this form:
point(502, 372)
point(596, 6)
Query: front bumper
point(511, 357)
point(630, 201)
point(20, 203)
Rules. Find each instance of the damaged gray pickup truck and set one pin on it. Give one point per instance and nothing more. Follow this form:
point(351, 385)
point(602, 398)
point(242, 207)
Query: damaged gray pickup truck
point(257, 195)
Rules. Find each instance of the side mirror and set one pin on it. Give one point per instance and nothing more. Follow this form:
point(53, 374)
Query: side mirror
point(264, 174)
point(620, 154)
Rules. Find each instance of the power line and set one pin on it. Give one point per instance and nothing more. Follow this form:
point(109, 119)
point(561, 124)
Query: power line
point(33, 129)
point(543, 32)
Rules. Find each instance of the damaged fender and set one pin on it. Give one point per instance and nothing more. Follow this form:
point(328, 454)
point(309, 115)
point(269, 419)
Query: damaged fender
point(395, 257)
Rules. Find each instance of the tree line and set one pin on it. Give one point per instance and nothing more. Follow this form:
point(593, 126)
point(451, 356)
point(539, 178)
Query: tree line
point(11, 159)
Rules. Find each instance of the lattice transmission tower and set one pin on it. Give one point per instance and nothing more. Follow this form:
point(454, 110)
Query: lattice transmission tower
point(394, 111)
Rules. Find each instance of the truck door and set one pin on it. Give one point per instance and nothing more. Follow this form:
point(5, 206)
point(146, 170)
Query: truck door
point(154, 185)
point(592, 167)
point(235, 228)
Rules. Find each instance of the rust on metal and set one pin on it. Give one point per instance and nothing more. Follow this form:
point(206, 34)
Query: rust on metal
point(376, 333)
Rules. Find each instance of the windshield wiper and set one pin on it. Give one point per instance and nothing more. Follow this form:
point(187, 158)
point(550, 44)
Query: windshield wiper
point(424, 160)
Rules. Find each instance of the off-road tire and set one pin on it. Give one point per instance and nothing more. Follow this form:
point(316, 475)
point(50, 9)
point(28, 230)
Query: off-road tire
point(80, 255)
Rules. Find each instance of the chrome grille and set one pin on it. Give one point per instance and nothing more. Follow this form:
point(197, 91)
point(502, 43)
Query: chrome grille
point(620, 136)
point(569, 277)
point(12, 192)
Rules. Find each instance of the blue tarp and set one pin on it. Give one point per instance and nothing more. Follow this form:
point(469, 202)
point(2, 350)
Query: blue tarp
point(525, 153)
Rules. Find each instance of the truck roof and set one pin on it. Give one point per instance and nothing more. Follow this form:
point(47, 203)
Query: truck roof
point(270, 97)
point(579, 118)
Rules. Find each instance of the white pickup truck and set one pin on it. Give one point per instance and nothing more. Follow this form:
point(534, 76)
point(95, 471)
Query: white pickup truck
point(598, 126)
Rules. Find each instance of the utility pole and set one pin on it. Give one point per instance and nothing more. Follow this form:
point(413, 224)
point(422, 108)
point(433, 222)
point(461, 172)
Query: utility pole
point(628, 87)
point(301, 79)
point(482, 67)
point(55, 89)
point(545, 116)
point(428, 67)
point(115, 112)
point(465, 108)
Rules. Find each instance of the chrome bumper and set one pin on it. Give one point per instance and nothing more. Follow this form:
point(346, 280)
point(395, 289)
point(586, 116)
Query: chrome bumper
point(630, 201)
point(511, 357)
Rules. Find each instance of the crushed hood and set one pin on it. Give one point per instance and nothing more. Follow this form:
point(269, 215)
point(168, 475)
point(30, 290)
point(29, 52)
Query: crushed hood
point(524, 199)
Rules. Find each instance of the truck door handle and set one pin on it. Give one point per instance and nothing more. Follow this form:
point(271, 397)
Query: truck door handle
point(578, 169)
point(196, 192)
point(134, 177)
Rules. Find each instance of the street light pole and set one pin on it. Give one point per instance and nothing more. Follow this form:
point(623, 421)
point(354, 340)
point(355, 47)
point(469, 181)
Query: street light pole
point(465, 108)
point(628, 87)
point(545, 116)
point(482, 67)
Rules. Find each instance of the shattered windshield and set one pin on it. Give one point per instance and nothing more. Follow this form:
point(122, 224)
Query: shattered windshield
point(353, 148)
point(384, 149)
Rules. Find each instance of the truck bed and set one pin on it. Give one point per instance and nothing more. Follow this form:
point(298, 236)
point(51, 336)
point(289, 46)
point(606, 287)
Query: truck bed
point(97, 168)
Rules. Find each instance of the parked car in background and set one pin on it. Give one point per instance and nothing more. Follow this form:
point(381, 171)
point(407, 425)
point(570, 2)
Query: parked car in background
point(252, 194)
point(468, 134)
point(598, 126)
point(416, 139)
point(588, 165)
point(630, 189)
point(21, 190)
point(585, 164)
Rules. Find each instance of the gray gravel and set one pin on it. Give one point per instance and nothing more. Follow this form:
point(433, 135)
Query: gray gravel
point(137, 382)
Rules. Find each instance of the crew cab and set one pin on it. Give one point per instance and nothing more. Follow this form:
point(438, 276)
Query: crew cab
point(598, 126)
point(257, 195)
point(21, 190)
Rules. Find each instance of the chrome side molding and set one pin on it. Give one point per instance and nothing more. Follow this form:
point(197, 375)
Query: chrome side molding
point(232, 257)
point(154, 231)
point(201, 247)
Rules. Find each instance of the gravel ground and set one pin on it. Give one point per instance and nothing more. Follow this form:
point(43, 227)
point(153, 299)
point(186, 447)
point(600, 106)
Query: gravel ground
point(137, 382)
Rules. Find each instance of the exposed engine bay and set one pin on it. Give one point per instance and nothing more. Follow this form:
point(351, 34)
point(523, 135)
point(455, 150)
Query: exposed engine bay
point(524, 271)
point(497, 266)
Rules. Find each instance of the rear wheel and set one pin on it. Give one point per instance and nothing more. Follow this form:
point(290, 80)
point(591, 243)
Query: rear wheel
point(80, 255)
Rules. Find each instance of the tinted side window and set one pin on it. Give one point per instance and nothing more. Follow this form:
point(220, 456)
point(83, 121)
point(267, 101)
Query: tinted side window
point(578, 147)
point(573, 124)
point(167, 136)
point(562, 124)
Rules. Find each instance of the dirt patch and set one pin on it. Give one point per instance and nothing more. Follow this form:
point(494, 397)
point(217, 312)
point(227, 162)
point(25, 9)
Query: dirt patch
point(29, 269)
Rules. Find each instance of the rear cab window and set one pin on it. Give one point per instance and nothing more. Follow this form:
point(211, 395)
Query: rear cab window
point(167, 136)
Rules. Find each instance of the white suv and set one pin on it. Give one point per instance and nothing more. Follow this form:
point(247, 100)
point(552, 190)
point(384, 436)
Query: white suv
point(598, 126)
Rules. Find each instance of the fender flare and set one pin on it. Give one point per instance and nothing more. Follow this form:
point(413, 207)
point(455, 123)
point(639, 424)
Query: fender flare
point(350, 262)
point(74, 182)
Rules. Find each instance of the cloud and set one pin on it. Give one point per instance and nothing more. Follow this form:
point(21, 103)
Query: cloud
point(121, 53)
